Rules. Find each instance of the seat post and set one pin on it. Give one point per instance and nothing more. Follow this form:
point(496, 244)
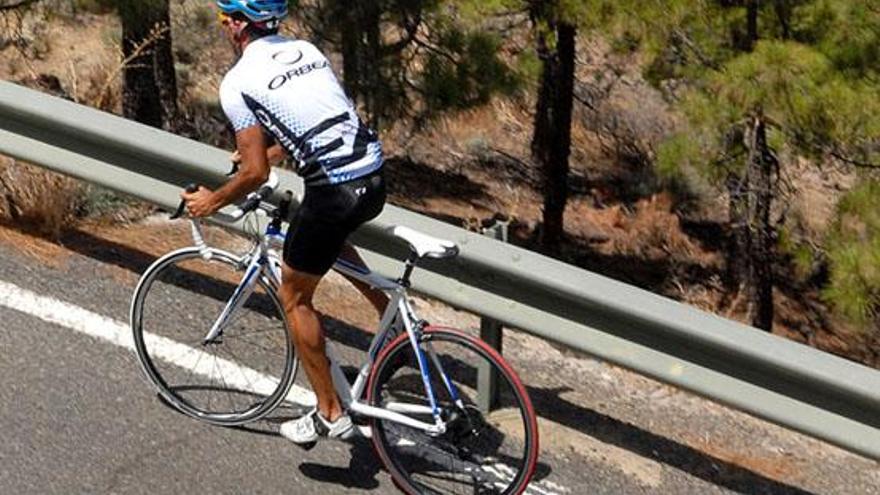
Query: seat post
point(410, 265)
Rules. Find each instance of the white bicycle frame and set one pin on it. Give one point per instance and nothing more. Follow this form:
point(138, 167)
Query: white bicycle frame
point(264, 262)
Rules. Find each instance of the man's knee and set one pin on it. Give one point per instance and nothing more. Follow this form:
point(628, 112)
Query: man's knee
point(298, 288)
point(296, 300)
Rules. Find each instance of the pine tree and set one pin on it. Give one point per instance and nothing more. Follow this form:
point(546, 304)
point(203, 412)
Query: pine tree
point(150, 81)
point(762, 84)
point(551, 142)
point(555, 25)
point(853, 249)
point(375, 39)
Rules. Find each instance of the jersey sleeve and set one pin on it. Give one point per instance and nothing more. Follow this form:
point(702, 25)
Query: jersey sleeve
point(240, 116)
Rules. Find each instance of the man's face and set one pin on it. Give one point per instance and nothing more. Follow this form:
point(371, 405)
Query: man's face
point(232, 29)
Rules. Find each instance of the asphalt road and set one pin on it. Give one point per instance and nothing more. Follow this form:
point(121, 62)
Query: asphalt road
point(77, 416)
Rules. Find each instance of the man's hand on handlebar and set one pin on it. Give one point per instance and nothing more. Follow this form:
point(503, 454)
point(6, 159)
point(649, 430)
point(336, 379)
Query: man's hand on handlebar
point(201, 203)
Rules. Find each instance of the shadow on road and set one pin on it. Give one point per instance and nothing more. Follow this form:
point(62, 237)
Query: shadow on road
point(362, 471)
point(655, 447)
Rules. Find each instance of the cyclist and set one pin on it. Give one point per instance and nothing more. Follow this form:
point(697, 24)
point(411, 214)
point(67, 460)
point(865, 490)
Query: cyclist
point(285, 87)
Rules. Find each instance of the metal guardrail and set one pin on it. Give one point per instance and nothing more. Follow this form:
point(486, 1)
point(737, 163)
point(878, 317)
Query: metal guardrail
point(784, 382)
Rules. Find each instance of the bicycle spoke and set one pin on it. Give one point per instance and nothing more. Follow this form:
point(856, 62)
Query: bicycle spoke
point(211, 396)
point(179, 304)
point(250, 385)
point(192, 370)
point(247, 338)
point(232, 406)
point(472, 456)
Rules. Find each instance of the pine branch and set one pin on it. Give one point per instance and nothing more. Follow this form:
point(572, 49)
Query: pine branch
point(854, 162)
point(435, 49)
point(585, 102)
point(411, 28)
point(141, 48)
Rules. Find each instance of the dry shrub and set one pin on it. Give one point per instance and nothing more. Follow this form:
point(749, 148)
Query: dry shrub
point(629, 117)
point(652, 231)
point(37, 200)
point(96, 87)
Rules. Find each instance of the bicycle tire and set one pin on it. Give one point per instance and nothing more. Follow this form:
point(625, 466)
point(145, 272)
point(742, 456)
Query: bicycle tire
point(413, 458)
point(236, 380)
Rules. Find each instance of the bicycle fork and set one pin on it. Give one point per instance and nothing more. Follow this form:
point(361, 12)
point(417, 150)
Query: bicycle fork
point(239, 298)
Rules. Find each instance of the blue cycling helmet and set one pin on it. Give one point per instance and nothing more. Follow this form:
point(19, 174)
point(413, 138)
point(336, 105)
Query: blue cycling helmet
point(256, 10)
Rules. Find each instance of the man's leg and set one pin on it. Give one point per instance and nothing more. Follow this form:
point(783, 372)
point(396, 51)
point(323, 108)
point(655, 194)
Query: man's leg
point(297, 291)
point(377, 298)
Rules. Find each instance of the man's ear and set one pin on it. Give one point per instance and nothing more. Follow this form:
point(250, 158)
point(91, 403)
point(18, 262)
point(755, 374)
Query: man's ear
point(239, 26)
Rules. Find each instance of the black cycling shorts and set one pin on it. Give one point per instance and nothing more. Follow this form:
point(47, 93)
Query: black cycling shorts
point(327, 215)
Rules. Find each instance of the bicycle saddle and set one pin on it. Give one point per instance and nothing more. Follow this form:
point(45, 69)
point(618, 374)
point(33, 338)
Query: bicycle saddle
point(424, 245)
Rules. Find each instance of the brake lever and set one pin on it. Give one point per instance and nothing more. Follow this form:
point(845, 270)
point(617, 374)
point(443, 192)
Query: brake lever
point(191, 188)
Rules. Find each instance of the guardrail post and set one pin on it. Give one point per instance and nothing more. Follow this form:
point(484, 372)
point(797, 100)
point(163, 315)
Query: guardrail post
point(491, 333)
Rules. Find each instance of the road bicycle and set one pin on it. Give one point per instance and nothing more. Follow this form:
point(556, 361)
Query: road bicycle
point(211, 335)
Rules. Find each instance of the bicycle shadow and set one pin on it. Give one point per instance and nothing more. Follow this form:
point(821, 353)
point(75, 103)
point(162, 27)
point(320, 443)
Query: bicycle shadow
point(362, 472)
point(364, 465)
point(549, 402)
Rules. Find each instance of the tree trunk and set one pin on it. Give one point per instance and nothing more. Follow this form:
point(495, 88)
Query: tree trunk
point(150, 82)
point(752, 21)
point(372, 62)
point(361, 47)
point(350, 49)
point(761, 252)
point(551, 143)
point(738, 248)
point(783, 14)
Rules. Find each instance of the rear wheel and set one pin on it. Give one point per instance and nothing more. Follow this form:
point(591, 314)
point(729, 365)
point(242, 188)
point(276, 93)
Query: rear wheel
point(235, 379)
point(481, 452)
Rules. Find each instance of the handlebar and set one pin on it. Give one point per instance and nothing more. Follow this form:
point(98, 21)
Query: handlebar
point(255, 198)
point(191, 188)
point(251, 203)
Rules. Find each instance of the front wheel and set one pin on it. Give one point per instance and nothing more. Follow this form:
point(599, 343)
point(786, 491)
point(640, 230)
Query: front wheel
point(480, 452)
point(238, 377)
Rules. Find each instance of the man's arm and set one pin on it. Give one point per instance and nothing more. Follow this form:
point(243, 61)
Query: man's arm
point(253, 172)
point(275, 154)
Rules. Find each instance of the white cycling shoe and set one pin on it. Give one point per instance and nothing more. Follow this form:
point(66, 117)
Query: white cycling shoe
point(313, 427)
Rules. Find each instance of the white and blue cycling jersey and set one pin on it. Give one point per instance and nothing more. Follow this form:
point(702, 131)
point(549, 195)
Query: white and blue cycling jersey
point(288, 87)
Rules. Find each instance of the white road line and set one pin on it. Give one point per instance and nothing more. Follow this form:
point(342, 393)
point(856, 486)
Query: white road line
point(100, 327)
point(67, 315)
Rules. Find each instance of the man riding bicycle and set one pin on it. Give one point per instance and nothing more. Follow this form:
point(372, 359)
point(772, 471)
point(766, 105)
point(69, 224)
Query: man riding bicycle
point(286, 88)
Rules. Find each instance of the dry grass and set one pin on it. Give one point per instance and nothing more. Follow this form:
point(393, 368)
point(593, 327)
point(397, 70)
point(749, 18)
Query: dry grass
point(37, 200)
point(649, 231)
point(37, 248)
